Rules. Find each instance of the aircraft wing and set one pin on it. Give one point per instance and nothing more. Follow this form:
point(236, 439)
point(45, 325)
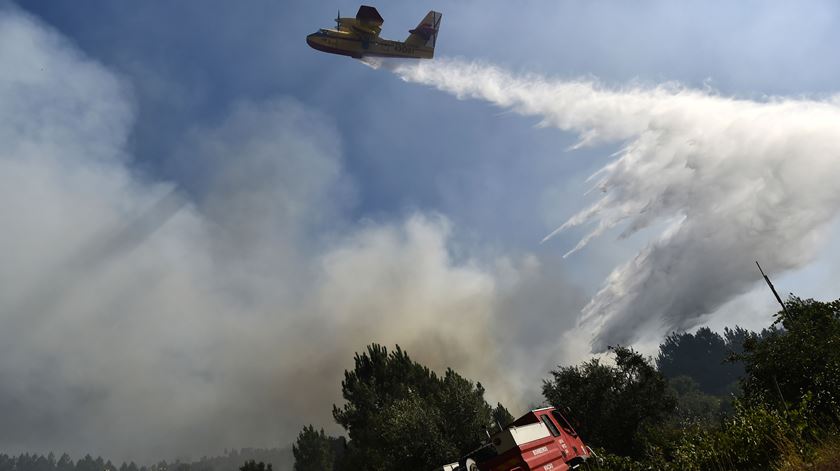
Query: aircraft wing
point(369, 15)
point(368, 22)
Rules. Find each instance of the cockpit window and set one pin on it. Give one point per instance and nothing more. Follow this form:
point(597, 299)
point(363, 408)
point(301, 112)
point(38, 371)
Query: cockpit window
point(551, 427)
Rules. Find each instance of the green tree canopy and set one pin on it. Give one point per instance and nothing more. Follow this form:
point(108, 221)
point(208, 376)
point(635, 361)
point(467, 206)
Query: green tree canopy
point(502, 416)
point(703, 356)
point(401, 415)
point(694, 407)
point(316, 451)
point(800, 361)
point(612, 404)
point(252, 465)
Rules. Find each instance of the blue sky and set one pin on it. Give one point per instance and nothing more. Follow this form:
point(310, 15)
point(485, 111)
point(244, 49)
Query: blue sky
point(372, 174)
point(412, 147)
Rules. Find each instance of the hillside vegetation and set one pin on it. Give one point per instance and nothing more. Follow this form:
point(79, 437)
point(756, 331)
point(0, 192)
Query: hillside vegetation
point(737, 400)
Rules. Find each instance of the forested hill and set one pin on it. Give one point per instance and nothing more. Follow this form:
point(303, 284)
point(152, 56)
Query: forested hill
point(280, 458)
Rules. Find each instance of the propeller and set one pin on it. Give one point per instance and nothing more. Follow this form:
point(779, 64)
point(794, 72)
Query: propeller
point(338, 21)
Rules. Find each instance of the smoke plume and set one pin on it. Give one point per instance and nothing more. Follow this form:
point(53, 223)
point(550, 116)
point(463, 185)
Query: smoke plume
point(147, 320)
point(722, 181)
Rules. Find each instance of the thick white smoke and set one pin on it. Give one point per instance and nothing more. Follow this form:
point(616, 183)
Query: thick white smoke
point(730, 180)
point(141, 321)
point(145, 322)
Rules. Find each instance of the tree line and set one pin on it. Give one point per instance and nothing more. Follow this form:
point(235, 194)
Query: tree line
point(736, 400)
point(230, 460)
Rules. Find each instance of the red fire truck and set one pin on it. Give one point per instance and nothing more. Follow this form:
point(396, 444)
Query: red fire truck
point(540, 440)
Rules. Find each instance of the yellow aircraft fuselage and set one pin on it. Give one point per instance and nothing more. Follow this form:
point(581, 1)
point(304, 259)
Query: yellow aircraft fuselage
point(359, 37)
point(348, 44)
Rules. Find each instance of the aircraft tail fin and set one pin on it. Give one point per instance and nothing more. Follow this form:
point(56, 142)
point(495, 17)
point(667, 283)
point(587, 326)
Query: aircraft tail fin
point(425, 34)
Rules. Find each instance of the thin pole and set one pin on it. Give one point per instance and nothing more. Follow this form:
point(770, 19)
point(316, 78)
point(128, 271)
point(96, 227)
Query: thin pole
point(772, 288)
point(779, 390)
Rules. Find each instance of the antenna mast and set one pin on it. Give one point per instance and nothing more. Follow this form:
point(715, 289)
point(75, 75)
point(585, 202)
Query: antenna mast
point(772, 288)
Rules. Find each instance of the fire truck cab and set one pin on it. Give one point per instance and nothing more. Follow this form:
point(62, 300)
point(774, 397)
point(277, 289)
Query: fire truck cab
point(542, 439)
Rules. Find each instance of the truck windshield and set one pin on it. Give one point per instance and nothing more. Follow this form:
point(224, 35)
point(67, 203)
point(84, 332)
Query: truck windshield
point(564, 423)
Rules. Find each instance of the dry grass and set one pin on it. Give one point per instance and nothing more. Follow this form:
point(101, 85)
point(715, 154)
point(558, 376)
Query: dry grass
point(825, 457)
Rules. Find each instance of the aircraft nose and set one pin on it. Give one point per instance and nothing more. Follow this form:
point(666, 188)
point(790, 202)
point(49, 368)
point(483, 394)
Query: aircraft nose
point(309, 39)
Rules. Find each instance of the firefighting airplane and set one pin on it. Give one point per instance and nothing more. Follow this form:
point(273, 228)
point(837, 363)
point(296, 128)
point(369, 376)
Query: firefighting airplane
point(359, 37)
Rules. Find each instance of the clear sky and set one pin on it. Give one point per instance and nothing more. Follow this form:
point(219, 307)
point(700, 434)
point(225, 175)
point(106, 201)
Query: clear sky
point(304, 205)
